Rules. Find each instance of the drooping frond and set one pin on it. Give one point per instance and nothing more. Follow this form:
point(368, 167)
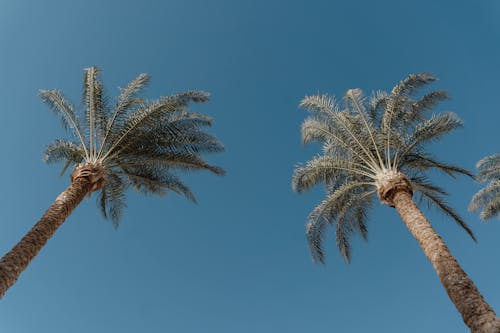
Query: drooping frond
point(365, 140)
point(174, 160)
point(138, 143)
point(492, 208)
point(340, 208)
point(111, 198)
point(488, 198)
point(433, 195)
point(418, 162)
point(150, 181)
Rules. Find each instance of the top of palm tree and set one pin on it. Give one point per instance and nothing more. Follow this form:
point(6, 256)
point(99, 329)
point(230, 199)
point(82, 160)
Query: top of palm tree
point(488, 199)
point(366, 143)
point(138, 142)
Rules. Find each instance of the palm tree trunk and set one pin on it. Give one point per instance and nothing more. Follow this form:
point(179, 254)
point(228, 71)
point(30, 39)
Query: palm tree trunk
point(16, 260)
point(476, 313)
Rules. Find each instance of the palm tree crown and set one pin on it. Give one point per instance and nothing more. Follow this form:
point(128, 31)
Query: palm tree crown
point(368, 142)
point(132, 142)
point(488, 199)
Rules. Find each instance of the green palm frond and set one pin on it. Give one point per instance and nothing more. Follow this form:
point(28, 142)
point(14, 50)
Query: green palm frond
point(141, 144)
point(488, 199)
point(363, 140)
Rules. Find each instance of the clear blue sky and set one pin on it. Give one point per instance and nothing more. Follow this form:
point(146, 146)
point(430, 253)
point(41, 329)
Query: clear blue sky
point(238, 261)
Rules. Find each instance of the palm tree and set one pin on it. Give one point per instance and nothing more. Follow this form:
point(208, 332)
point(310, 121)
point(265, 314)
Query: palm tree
point(376, 146)
point(134, 142)
point(488, 199)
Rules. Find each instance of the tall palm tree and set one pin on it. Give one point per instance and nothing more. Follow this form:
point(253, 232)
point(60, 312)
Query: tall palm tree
point(134, 142)
point(376, 146)
point(488, 199)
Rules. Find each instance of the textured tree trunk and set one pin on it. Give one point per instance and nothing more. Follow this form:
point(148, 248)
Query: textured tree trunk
point(476, 313)
point(16, 260)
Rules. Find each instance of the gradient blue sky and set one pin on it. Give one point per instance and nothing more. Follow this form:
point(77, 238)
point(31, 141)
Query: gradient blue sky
point(238, 261)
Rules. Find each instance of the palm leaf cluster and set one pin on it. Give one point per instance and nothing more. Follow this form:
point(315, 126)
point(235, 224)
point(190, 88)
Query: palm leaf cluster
point(488, 199)
point(365, 140)
point(140, 143)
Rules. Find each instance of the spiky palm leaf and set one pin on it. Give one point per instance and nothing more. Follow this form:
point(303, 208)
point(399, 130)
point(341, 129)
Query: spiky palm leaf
point(488, 199)
point(365, 139)
point(140, 143)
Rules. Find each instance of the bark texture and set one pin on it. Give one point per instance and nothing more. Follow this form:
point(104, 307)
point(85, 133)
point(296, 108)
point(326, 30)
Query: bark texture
point(476, 313)
point(85, 179)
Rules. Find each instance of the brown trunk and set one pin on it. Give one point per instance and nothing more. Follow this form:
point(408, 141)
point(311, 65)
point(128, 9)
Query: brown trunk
point(476, 313)
point(85, 179)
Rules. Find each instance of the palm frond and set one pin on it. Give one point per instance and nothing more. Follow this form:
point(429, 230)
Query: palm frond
point(150, 181)
point(319, 104)
point(316, 129)
point(148, 117)
point(426, 103)
point(55, 100)
point(378, 102)
point(486, 195)
point(433, 129)
point(325, 169)
point(488, 199)
point(398, 102)
point(489, 168)
point(420, 162)
point(339, 200)
point(180, 161)
point(126, 100)
point(357, 101)
point(491, 209)
point(62, 150)
point(93, 98)
point(433, 195)
point(412, 83)
point(111, 198)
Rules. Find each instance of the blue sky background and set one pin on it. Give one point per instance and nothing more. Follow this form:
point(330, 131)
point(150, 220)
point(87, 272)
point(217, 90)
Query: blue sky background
point(238, 261)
